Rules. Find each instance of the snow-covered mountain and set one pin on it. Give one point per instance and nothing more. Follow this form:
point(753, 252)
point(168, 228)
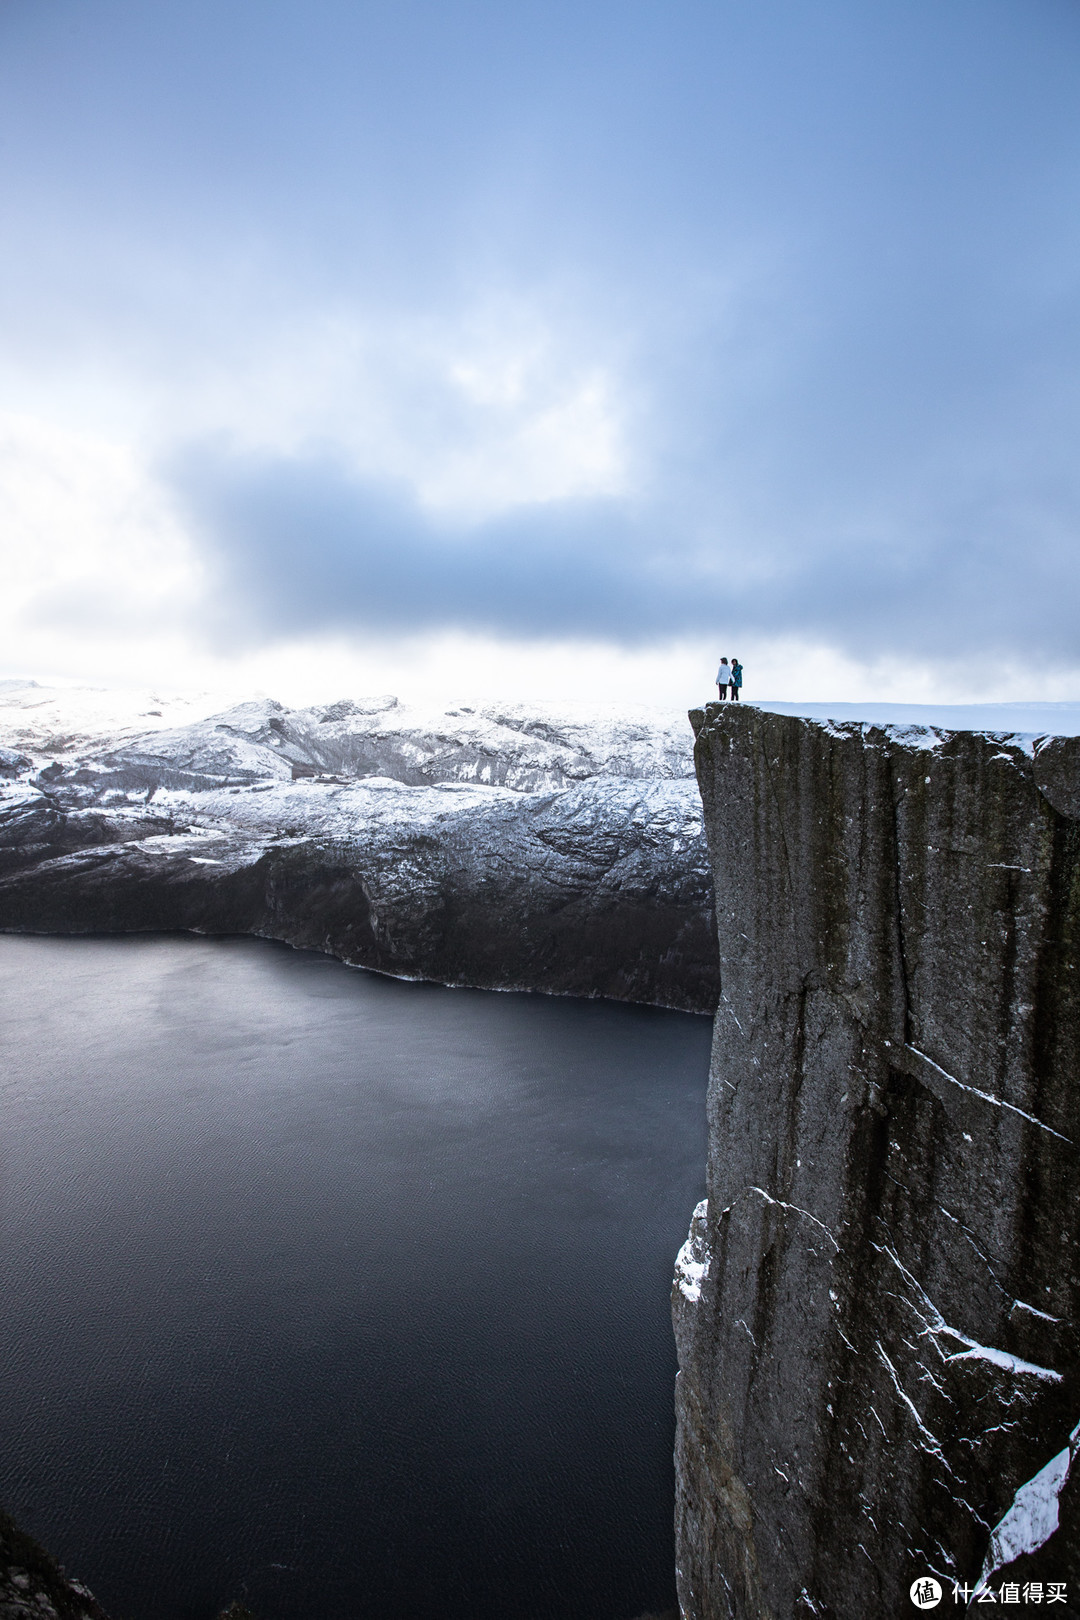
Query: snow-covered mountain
point(513, 846)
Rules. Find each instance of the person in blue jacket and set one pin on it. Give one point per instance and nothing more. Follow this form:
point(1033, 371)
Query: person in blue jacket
point(736, 678)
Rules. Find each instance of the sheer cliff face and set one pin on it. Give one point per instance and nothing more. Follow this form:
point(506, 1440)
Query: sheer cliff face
point(875, 1311)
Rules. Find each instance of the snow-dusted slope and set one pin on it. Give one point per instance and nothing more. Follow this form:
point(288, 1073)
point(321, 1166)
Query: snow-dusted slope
point(506, 845)
point(536, 745)
point(44, 718)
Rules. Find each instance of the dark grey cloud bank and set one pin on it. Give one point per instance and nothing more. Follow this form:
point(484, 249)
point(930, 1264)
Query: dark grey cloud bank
point(298, 545)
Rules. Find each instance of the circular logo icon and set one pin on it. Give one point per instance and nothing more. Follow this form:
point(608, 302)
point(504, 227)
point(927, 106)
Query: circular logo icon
point(926, 1592)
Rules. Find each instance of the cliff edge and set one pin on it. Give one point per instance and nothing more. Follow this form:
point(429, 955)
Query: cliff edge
point(876, 1308)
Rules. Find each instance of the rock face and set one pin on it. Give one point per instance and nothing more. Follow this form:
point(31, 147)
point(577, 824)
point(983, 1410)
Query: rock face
point(506, 847)
point(876, 1310)
point(34, 1587)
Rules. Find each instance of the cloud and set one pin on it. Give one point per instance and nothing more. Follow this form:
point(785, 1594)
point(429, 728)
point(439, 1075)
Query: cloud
point(89, 535)
point(302, 544)
point(620, 327)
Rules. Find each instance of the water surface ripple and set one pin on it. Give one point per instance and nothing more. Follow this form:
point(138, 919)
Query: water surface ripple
point(342, 1296)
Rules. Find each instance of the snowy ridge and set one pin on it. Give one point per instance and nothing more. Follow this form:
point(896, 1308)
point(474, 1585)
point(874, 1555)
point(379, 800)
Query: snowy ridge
point(999, 719)
point(518, 846)
point(523, 747)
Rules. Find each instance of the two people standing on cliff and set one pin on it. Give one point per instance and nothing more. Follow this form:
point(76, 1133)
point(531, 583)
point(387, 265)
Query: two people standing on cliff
point(729, 675)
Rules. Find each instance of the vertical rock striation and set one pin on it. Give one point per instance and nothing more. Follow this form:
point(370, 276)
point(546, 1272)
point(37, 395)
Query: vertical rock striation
point(876, 1311)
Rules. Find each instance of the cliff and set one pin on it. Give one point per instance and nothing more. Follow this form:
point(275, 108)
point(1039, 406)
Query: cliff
point(32, 1584)
point(514, 848)
point(876, 1307)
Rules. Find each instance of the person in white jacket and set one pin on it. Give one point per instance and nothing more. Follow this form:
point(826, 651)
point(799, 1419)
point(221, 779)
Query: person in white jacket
point(723, 676)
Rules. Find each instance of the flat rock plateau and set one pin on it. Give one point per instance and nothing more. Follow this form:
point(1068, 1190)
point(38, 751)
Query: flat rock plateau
point(512, 847)
point(876, 1308)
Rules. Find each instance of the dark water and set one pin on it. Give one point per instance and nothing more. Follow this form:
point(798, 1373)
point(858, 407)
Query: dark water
point(342, 1296)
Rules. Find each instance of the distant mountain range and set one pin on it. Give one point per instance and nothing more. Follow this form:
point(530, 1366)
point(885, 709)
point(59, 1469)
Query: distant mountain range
point(512, 846)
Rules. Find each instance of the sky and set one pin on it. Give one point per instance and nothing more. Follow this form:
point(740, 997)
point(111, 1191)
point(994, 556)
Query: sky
point(542, 349)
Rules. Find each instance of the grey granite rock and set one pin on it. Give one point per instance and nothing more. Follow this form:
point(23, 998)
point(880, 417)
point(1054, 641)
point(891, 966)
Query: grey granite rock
point(876, 1311)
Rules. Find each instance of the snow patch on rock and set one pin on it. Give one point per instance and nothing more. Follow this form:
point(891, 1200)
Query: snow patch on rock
point(692, 1261)
point(1032, 1517)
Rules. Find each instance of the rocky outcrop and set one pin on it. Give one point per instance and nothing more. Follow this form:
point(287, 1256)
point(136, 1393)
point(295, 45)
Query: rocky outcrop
point(32, 1584)
point(876, 1310)
point(504, 847)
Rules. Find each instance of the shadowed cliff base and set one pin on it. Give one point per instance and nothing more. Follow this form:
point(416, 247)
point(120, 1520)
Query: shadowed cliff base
point(876, 1307)
point(33, 1586)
